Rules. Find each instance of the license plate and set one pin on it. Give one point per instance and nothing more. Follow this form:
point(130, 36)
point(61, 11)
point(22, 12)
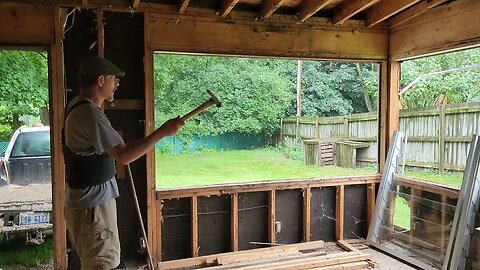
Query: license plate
point(29, 218)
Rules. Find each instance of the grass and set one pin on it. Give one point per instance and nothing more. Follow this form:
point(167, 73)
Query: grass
point(15, 252)
point(239, 166)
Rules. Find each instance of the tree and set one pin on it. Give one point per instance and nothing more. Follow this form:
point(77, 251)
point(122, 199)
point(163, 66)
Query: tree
point(254, 94)
point(457, 87)
point(23, 88)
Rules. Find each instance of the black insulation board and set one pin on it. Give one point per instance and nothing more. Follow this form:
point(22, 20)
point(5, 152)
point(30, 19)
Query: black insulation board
point(252, 219)
point(214, 224)
point(355, 220)
point(177, 229)
point(322, 214)
point(289, 216)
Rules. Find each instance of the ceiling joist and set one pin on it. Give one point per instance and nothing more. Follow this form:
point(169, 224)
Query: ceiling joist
point(310, 7)
point(269, 7)
point(385, 9)
point(348, 9)
point(414, 11)
point(226, 7)
point(182, 6)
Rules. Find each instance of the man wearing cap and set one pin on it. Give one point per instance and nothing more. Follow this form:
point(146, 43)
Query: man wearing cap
point(90, 147)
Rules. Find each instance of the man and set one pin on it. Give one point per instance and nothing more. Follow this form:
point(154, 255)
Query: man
point(90, 146)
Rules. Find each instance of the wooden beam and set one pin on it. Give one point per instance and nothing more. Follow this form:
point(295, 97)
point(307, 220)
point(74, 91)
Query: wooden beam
point(135, 4)
point(57, 105)
point(340, 212)
point(26, 25)
point(370, 203)
point(154, 207)
point(234, 221)
point(84, 3)
point(182, 6)
point(389, 110)
point(249, 38)
point(100, 34)
point(309, 7)
point(433, 32)
point(386, 9)
point(414, 11)
point(226, 7)
point(166, 194)
point(269, 7)
point(348, 9)
point(271, 217)
point(306, 214)
point(194, 226)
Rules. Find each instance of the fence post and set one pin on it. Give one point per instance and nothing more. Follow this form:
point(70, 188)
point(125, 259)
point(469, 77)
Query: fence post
point(281, 130)
point(346, 131)
point(317, 128)
point(441, 140)
point(297, 128)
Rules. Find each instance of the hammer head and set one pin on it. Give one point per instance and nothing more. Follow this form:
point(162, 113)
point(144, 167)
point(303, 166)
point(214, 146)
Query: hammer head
point(214, 99)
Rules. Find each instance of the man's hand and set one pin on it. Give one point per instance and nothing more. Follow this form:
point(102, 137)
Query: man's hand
point(172, 126)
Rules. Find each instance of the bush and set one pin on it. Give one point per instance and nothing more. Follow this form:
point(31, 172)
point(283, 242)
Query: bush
point(292, 149)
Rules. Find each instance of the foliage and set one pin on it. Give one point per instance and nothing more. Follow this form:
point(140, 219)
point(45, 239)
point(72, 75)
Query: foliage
point(23, 87)
point(292, 149)
point(333, 89)
point(457, 87)
point(253, 96)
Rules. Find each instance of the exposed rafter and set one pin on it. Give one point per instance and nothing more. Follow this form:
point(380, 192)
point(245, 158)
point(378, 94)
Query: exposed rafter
point(269, 7)
point(227, 6)
point(414, 11)
point(182, 6)
point(349, 8)
point(386, 9)
point(310, 7)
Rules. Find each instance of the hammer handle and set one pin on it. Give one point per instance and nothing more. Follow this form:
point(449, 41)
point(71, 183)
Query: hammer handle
point(207, 104)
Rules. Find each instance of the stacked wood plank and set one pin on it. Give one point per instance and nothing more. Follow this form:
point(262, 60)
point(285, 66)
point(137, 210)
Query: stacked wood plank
point(318, 152)
point(309, 255)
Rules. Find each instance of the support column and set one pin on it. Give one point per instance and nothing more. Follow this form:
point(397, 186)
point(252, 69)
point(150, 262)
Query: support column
point(388, 107)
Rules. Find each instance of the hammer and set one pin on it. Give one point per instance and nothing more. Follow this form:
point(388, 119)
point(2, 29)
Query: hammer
point(207, 104)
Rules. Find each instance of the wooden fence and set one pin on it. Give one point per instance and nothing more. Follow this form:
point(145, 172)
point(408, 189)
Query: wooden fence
point(438, 137)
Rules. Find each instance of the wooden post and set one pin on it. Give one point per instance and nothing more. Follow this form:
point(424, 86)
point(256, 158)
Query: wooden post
point(340, 212)
point(443, 236)
point(306, 214)
point(281, 130)
point(57, 108)
point(297, 128)
point(194, 226)
point(154, 215)
point(100, 34)
point(370, 203)
point(317, 128)
point(388, 107)
point(156, 242)
point(234, 221)
point(346, 130)
point(271, 217)
point(441, 140)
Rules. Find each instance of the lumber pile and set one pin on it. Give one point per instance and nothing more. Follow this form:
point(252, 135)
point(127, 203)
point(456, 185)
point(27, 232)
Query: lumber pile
point(309, 255)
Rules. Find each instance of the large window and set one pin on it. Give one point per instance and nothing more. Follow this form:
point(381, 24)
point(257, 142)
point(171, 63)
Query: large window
point(280, 119)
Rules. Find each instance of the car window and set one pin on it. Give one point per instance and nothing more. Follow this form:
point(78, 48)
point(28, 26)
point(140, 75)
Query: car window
point(31, 144)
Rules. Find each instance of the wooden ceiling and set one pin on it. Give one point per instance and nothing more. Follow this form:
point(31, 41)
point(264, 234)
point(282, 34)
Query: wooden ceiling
point(371, 12)
point(388, 13)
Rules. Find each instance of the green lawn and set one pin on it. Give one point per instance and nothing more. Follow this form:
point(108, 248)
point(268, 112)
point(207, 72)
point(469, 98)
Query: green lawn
point(239, 166)
point(15, 252)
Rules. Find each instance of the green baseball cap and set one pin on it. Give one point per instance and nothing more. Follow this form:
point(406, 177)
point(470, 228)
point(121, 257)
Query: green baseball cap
point(96, 66)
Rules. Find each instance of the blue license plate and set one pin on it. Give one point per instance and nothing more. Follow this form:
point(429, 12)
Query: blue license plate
point(29, 218)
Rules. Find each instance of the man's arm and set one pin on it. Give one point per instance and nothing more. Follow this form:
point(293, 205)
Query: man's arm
point(126, 153)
